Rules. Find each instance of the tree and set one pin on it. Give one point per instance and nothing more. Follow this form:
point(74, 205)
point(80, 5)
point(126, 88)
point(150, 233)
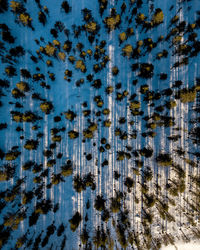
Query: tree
point(73, 134)
point(129, 183)
point(66, 7)
point(127, 50)
point(42, 17)
point(164, 159)
point(146, 70)
point(67, 169)
point(46, 107)
point(31, 144)
point(157, 17)
point(99, 203)
point(12, 155)
point(113, 21)
point(75, 221)
point(70, 115)
point(25, 19)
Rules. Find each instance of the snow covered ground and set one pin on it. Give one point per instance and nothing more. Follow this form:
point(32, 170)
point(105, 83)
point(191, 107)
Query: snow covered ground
point(66, 95)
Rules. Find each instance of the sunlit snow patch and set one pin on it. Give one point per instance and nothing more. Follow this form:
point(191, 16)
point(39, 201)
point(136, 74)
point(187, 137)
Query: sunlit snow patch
point(183, 246)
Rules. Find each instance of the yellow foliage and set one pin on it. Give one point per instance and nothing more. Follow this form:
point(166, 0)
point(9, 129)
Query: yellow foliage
point(102, 51)
point(121, 157)
point(9, 221)
point(89, 51)
point(144, 88)
point(112, 22)
point(152, 125)
point(193, 25)
point(3, 176)
point(174, 31)
point(141, 17)
point(68, 115)
point(91, 27)
point(156, 117)
point(50, 164)
point(38, 211)
point(17, 118)
point(71, 59)
point(50, 49)
point(128, 50)
point(83, 54)
point(187, 95)
point(16, 92)
point(88, 134)
point(153, 134)
point(182, 47)
point(135, 105)
point(107, 123)
point(49, 63)
point(56, 43)
point(67, 172)
point(15, 6)
point(25, 19)
point(165, 163)
point(41, 49)
point(122, 36)
point(80, 65)
point(27, 117)
point(177, 39)
point(140, 43)
point(115, 206)
point(92, 127)
point(62, 56)
point(14, 227)
point(9, 198)
point(171, 104)
point(130, 31)
point(170, 123)
point(24, 200)
point(136, 171)
point(158, 17)
point(106, 111)
point(11, 156)
point(102, 64)
point(55, 181)
point(72, 134)
point(45, 8)
point(23, 86)
point(45, 107)
point(19, 219)
point(175, 19)
point(56, 138)
point(65, 46)
point(37, 180)
point(34, 127)
point(29, 146)
point(19, 243)
point(138, 50)
point(8, 71)
point(197, 88)
point(159, 55)
point(100, 103)
point(109, 89)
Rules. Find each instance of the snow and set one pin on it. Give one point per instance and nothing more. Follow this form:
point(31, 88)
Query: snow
point(65, 95)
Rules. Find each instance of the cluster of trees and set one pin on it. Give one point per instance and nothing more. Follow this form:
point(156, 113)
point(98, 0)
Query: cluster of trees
point(78, 55)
